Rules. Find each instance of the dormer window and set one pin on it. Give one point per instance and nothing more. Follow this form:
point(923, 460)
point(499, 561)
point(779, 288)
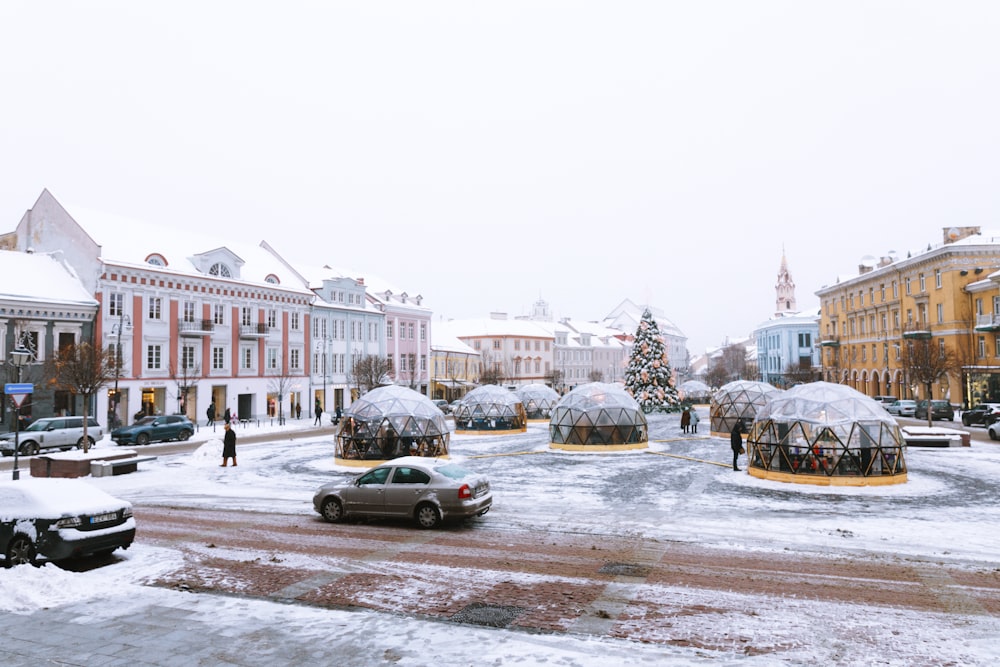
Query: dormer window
point(156, 259)
point(272, 279)
point(221, 270)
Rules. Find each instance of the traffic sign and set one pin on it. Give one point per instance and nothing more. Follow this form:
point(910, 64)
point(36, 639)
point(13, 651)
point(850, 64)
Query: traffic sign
point(18, 388)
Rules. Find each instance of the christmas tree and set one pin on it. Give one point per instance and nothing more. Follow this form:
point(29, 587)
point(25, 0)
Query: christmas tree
point(648, 376)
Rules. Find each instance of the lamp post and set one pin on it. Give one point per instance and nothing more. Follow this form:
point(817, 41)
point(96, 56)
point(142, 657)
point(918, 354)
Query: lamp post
point(123, 321)
point(19, 356)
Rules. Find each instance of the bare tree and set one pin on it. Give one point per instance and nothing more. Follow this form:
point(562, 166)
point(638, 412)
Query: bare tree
point(369, 372)
point(927, 361)
point(84, 370)
point(554, 378)
point(597, 376)
point(184, 374)
point(493, 371)
point(280, 382)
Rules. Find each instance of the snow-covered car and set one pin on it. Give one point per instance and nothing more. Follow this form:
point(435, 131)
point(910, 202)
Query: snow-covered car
point(59, 519)
point(154, 429)
point(425, 489)
point(902, 408)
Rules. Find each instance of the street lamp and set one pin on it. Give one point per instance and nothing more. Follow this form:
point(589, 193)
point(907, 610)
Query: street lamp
point(19, 356)
point(123, 322)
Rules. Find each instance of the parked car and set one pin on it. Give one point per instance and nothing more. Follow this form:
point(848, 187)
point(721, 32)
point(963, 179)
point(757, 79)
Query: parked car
point(994, 430)
point(983, 414)
point(902, 408)
point(60, 519)
point(62, 433)
point(939, 410)
point(442, 405)
point(425, 489)
point(885, 400)
point(154, 429)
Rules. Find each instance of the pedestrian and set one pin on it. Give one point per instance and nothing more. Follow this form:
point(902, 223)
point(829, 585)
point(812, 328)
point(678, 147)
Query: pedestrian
point(210, 413)
point(685, 419)
point(694, 420)
point(736, 442)
point(319, 414)
point(228, 416)
point(298, 411)
point(339, 415)
point(229, 446)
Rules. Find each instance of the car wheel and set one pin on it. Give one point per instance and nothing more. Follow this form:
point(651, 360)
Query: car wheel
point(142, 439)
point(332, 510)
point(30, 448)
point(965, 421)
point(428, 516)
point(90, 442)
point(993, 434)
point(184, 435)
point(20, 551)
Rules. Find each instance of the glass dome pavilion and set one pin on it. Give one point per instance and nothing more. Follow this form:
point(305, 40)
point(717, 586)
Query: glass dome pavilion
point(490, 408)
point(825, 433)
point(694, 391)
point(390, 422)
point(738, 401)
point(538, 400)
point(598, 416)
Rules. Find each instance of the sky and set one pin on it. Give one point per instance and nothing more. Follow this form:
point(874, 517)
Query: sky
point(487, 155)
point(944, 513)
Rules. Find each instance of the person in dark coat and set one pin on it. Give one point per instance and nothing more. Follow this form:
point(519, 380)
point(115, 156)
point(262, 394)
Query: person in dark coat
point(229, 446)
point(736, 442)
point(339, 415)
point(298, 411)
point(210, 413)
point(685, 420)
point(228, 417)
point(319, 414)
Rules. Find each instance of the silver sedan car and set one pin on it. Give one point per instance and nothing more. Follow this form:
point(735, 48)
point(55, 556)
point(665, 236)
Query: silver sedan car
point(425, 489)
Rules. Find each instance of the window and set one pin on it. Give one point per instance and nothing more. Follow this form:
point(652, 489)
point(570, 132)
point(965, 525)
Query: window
point(805, 340)
point(245, 316)
point(981, 347)
point(246, 358)
point(156, 260)
point(272, 358)
point(906, 282)
point(219, 313)
point(409, 328)
point(218, 358)
point(155, 306)
point(220, 269)
point(293, 358)
point(517, 343)
point(272, 319)
point(937, 278)
point(153, 358)
point(940, 313)
point(116, 304)
point(496, 344)
point(187, 357)
point(423, 331)
point(923, 282)
point(881, 289)
point(388, 330)
point(295, 322)
point(189, 311)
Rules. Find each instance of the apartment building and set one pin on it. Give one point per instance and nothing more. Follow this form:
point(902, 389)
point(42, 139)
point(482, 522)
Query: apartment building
point(942, 292)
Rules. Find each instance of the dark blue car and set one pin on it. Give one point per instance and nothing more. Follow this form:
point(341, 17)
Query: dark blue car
point(154, 429)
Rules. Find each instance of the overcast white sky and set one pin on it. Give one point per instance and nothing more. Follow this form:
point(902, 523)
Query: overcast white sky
point(488, 154)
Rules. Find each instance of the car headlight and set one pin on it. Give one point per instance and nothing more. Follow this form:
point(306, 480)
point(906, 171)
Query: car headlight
point(69, 522)
point(127, 513)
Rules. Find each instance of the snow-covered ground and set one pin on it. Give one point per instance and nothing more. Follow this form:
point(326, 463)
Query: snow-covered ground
point(674, 491)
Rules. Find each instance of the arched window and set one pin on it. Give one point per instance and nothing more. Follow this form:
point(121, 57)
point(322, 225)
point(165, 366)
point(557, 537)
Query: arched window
point(272, 279)
point(156, 260)
point(220, 269)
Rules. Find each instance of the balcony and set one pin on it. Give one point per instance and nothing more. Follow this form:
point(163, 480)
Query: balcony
point(988, 322)
point(254, 331)
point(196, 328)
point(829, 341)
point(916, 331)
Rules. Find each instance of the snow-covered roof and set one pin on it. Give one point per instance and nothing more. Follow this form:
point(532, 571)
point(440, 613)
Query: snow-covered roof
point(40, 278)
point(444, 340)
point(626, 316)
point(486, 326)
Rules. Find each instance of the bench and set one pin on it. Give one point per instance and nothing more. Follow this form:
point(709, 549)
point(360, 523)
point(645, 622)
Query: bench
point(103, 468)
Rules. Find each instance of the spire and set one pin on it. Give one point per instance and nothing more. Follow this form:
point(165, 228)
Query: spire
point(784, 289)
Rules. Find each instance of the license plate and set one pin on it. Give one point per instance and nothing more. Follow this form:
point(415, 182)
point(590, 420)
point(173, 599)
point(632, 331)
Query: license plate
point(101, 518)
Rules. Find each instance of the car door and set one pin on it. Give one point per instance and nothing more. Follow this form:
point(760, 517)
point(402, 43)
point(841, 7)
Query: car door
point(55, 434)
point(367, 494)
point(405, 489)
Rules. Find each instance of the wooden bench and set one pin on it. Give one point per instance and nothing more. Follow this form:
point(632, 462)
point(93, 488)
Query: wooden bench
point(105, 468)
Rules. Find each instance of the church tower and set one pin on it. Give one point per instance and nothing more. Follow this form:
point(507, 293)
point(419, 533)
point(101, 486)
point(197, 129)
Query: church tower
point(784, 289)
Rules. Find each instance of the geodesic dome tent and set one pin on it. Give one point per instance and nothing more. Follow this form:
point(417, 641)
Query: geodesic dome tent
point(538, 400)
point(389, 422)
point(694, 391)
point(490, 408)
point(738, 401)
point(598, 415)
point(825, 433)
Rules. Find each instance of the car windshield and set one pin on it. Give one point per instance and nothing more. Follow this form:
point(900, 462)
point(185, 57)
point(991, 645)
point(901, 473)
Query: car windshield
point(38, 426)
point(145, 420)
point(453, 471)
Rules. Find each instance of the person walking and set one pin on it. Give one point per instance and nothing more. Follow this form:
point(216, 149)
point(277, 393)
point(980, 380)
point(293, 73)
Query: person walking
point(319, 414)
point(339, 415)
point(210, 413)
point(227, 417)
point(694, 420)
point(685, 420)
point(229, 446)
point(736, 442)
point(298, 411)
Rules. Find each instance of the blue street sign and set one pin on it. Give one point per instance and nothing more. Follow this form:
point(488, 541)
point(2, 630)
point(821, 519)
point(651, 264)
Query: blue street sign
point(18, 388)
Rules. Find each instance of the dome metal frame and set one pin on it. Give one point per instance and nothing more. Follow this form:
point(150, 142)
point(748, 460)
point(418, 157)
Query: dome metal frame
point(490, 408)
point(598, 416)
point(390, 422)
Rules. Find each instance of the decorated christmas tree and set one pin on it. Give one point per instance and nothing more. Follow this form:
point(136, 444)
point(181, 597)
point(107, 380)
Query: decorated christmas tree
point(648, 376)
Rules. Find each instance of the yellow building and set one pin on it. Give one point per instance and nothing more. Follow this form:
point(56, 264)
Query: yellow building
point(943, 293)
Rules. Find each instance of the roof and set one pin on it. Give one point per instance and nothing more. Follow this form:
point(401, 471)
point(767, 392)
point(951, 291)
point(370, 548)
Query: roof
point(51, 279)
